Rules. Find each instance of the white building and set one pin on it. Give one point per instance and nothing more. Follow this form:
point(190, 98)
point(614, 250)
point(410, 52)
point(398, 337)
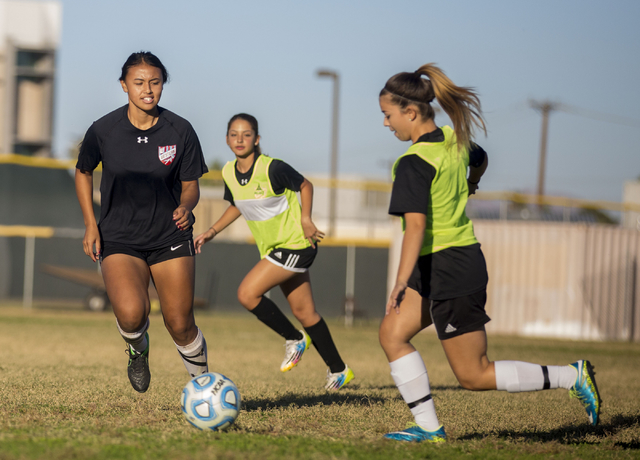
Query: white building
point(29, 36)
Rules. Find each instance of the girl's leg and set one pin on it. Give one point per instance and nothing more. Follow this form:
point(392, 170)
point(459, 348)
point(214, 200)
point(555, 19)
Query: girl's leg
point(467, 355)
point(126, 279)
point(258, 281)
point(407, 368)
point(297, 290)
point(174, 280)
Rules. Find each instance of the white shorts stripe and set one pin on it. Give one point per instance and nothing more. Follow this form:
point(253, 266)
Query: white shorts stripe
point(291, 268)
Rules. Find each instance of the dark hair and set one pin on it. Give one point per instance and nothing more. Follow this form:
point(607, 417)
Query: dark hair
point(249, 119)
point(460, 103)
point(143, 57)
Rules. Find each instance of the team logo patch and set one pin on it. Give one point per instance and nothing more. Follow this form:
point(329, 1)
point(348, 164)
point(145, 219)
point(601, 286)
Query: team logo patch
point(259, 193)
point(167, 154)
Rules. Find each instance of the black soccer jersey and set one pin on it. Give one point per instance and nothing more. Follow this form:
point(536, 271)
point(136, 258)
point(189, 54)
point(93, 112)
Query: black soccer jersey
point(142, 174)
point(452, 272)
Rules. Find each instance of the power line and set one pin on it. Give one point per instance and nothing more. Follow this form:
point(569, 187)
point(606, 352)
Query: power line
point(599, 116)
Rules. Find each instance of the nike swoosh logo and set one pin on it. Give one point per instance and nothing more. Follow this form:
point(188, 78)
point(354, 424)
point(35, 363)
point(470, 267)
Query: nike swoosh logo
point(174, 248)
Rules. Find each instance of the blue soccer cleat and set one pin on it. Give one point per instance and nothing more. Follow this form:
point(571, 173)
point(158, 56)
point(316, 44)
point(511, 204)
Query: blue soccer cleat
point(415, 433)
point(586, 390)
point(293, 350)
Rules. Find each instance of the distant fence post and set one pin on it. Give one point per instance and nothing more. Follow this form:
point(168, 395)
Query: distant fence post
point(29, 266)
point(349, 305)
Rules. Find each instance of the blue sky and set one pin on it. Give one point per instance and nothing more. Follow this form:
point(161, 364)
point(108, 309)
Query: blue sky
point(262, 57)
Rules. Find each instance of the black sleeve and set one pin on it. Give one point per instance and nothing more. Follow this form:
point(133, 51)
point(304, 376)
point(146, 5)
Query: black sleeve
point(90, 155)
point(412, 186)
point(283, 176)
point(193, 165)
point(228, 195)
point(476, 155)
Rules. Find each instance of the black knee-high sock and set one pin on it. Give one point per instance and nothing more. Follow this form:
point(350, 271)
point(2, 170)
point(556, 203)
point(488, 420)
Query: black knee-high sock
point(321, 339)
point(269, 313)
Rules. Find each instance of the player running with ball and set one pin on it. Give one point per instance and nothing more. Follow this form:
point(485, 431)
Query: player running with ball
point(442, 276)
point(151, 161)
point(263, 190)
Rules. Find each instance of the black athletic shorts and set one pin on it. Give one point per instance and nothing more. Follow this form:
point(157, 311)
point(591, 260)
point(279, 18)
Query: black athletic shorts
point(454, 317)
point(174, 251)
point(294, 260)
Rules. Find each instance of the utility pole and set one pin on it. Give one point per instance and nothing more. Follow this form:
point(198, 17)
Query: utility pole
point(333, 171)
point(545, 108)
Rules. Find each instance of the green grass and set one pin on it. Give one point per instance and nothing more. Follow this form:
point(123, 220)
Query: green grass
point(64, 394)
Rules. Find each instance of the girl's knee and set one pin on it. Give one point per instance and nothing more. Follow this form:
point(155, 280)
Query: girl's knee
point(247, 298)
point(305, 312)
point(180, 328)
point(475, 380)
point(389, 340)
point(468, 383)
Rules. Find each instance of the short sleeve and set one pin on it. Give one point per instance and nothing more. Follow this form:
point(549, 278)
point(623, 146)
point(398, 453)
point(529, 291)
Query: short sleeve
point(476, 156)
point(283, 176)
point(193, 165)
point(412, 186)
point(228, 196)
point(90, 155)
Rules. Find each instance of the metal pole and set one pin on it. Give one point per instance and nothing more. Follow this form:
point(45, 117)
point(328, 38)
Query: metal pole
point(333, 169)
point(349, 305)
point(545, 108)
point(29, 256)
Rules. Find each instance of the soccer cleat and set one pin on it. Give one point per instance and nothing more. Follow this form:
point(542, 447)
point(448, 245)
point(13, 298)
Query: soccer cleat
point(415, 433)
point(293, 350)
point(337, 380)
point(586, 390)
point(138, 368)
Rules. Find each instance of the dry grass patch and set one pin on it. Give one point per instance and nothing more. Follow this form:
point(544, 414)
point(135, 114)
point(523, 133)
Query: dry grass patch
point(65, 394)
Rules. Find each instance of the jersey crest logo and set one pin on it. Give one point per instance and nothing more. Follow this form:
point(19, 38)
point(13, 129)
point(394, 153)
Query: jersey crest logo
point(143, 139)
point(259, 193)
point(167, 154)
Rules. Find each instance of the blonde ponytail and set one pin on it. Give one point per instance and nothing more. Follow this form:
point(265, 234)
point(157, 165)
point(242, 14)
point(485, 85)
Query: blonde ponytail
point(460, 103)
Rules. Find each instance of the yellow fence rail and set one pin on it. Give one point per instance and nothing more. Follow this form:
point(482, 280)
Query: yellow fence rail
point(369, 185)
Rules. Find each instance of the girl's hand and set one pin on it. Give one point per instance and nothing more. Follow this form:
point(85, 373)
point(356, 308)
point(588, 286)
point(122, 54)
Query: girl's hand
point(472, 187)
point(203, 238)
point(396, 297)
point(182, 218)
point(92, 239)
point(311, 233)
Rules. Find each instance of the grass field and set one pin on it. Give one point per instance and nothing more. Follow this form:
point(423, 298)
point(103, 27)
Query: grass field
point(64, 394)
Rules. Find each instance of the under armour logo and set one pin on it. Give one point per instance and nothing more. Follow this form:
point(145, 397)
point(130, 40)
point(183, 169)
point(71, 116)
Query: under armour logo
point(143, 139)
point(244, 181)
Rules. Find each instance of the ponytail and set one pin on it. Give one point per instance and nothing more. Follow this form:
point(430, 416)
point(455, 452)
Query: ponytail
point(460, 103)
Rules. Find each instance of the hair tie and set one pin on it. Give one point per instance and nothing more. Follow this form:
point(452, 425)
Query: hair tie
point(410, 100)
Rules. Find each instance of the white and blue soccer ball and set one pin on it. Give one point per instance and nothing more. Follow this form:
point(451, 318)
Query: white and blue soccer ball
point(210, 401)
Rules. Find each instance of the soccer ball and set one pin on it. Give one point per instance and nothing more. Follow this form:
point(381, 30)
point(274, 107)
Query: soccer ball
point(210, 401)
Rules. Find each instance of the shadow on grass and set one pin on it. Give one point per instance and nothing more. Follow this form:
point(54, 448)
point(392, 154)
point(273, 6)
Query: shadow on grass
point(307, 401)
point(345, 396)
point(572, 434)
point(433, 387)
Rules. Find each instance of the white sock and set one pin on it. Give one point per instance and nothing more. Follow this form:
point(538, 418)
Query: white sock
point(136, 340)
point(410, 375)
point(565, 376)
point(194, 355)
point(516, 376)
